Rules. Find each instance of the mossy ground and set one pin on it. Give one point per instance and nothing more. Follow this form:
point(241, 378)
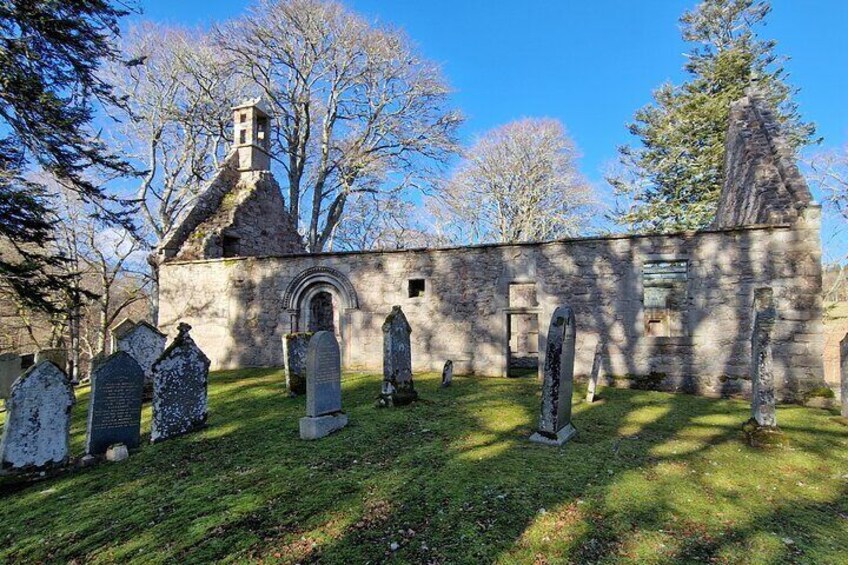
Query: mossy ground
point(651, 478)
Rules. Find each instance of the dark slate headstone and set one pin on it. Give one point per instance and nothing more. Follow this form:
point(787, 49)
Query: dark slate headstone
point(38, 420)
point(555, 426)
point(447, 374)
point(323, 388)
point(295, 348)
point(596, 372)
point(180, 378)
point(843, 362)
point(145, 344)
point(114, 411)
point(763, 402)
point(398, 388)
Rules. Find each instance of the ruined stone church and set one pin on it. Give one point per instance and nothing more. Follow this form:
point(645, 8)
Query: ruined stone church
point(671, 312)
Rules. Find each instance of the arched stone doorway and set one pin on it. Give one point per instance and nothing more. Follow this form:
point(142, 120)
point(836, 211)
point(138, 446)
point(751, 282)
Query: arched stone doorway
point(321, 298)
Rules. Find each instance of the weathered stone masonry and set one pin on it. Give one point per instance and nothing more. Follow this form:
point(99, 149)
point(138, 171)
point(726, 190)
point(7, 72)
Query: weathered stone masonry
point(674, 311)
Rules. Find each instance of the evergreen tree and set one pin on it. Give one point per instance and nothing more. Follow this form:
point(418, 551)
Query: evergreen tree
point(50, 51)
point(673, 179)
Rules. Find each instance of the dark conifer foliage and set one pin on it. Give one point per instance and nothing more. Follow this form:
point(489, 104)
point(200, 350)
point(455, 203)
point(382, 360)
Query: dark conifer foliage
point(50, 52)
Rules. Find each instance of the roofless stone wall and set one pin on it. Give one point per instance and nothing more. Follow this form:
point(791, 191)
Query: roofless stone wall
point(762, 182)
point(674, 311)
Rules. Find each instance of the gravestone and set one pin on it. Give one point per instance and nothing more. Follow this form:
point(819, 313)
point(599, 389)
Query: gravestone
point(596, 372)
point(762, 378)
point(843, 360)
point(38, 420)
point(180, 378)
point(114, 411)
point(323, 388)
point(10, 370)
point(398, 388)
point(295, 348)
point(447, 374)
point(58, 357)
point(555, 426)
point(145, 344)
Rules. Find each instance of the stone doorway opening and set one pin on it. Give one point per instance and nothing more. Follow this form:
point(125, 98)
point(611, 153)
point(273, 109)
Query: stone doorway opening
point(322, 313)
point(523, 344)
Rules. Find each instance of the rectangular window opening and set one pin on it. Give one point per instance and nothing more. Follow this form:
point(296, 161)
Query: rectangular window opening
point(230, 246)
point(416, 288)
point(664, 286)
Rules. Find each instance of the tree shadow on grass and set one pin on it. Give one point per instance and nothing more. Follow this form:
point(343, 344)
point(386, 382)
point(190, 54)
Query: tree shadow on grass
point(452, 478)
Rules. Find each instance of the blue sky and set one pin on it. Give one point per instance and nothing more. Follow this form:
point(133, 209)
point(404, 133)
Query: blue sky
point(590, 63)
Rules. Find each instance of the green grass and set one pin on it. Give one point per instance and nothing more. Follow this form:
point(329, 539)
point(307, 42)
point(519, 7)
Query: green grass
point(651, 478)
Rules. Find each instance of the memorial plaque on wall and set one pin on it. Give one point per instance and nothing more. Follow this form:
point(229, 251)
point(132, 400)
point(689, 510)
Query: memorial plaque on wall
point(114, 412)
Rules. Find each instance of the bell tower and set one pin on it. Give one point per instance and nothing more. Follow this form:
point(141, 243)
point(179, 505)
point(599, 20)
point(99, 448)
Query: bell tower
point(252, 136)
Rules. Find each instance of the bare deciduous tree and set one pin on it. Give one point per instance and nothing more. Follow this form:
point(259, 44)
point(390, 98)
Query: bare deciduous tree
point(178, 89)
point(357, 110)
point(830, 172)
point(519, 182)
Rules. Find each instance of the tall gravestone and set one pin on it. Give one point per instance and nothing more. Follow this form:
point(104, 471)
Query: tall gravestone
point(145, 344)
point(447, 374)
point(323, 388)
point(555, 426)
point(398, 388)
point(10, 370)
point(843, 363)
point(114, 410)
point(57, 356)
point(596, 372)
point(180, 378)
point(763, 391)
point(38, 420)
point(295, 349)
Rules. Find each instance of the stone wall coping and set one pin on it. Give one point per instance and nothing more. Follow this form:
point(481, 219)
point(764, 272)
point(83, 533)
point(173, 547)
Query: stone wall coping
point(575, 240)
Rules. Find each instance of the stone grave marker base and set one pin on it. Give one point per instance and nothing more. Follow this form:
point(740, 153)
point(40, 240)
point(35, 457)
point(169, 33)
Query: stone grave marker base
point(562, 436)
point(321, 426)
point(763, 436)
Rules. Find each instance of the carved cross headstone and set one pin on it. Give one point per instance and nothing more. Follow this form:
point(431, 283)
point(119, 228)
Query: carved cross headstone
point(398, 388)
point(295, 348)
point(180, 378)
point(447, 374)
point(38, 420)
point(323, 388)
point(596, 372)
point(114, 411)
point(555, 426)
point(145, 344)
point(843, 362)
point(763, 391)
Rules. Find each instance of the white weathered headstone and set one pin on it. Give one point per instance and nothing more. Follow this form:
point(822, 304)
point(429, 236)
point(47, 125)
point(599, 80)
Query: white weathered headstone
point(145, 344)
point(323, 388)
point(555, 426)
point(180, 378)
point(763, 401)
point(596, 372)
point(38, 420)
point(10, 370)
point(447, 374)
point(398, 388)
point(843, 361)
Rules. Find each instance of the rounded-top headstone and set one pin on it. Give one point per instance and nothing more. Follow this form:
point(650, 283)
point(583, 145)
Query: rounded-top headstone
point(323, 375)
